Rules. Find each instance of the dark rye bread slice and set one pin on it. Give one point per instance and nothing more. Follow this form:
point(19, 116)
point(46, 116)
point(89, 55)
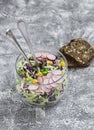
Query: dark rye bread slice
point(71, 62)
point(78, 53)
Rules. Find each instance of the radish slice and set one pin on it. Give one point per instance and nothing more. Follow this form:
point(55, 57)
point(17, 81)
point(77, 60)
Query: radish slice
point(38, 54)
point(49, 75)
point(39, 58)
point(55, 78)
point(45, 89)
point(57, 72)
point(51, 57)
point(51, 80)
point(59, 81)
point(33, 87)
point(54, 86)
point(45, 77)
point(39, 90)
point(43, 80)
point(46, 81)
point(44, 55)
point(40, 80)
point(50, 86)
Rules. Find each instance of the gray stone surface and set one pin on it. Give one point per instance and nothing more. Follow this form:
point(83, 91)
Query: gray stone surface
point(53, 22)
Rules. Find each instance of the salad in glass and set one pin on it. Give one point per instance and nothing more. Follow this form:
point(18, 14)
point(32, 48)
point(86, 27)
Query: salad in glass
point(43, 83)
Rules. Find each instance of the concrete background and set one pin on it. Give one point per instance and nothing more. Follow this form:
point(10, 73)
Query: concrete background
point(53, 23)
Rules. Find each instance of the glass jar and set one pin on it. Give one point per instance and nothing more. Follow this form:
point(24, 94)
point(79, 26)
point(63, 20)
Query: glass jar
point(51, 86)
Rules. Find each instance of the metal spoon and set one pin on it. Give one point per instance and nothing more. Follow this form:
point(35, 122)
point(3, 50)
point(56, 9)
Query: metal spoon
point(12, 38)
point(23, 29)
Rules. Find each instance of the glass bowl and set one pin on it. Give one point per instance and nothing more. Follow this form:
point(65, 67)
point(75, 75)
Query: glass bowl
point(47, 93)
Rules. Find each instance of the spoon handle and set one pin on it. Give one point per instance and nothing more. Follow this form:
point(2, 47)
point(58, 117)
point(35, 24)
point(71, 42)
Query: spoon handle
point(12, 38)
point(23, 29)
